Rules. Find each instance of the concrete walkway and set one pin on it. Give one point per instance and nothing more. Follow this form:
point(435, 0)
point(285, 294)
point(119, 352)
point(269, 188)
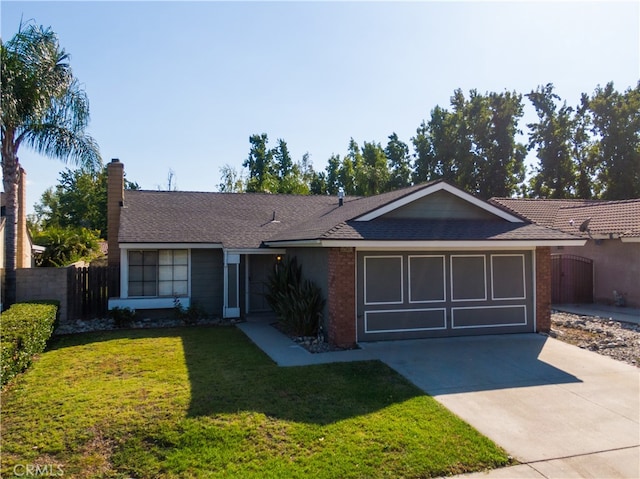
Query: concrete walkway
point(626, 315)
point(561, 411)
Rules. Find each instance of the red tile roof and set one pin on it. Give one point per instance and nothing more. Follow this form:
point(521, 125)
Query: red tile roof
point(606, 218)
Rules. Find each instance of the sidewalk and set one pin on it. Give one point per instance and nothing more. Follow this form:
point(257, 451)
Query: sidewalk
point(284, 352)
point(625, 315)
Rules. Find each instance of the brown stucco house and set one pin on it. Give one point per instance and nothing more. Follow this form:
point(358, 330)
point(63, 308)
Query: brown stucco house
point(425, 261)
point(612, 233)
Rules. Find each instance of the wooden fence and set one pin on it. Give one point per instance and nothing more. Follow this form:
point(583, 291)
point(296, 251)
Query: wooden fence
point(571, 279)
point(89, 289)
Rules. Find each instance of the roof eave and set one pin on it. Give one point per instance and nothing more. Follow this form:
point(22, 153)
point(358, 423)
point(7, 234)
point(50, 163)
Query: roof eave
point(431, 244)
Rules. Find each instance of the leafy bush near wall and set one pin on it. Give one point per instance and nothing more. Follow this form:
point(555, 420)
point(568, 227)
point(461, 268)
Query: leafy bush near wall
point(297, 302)
point(25, 329)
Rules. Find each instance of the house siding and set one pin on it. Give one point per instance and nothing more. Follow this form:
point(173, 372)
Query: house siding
point(315, 267)
point(207, 285)
point(616, 266)
point(441, 205)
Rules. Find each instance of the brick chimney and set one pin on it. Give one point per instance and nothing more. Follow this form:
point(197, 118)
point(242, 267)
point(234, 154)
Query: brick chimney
point(115, 200)
point(23, 252)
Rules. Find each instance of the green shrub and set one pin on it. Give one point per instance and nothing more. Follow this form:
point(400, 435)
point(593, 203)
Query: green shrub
point(65, 246)
point(122, 317)
point(189, 315)
point(25, 329)
point(297, 302)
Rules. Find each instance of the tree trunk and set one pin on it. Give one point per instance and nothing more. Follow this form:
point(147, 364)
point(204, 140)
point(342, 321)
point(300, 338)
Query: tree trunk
point(10, 179)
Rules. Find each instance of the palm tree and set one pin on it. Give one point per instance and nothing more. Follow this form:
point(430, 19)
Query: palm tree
point(43, 107)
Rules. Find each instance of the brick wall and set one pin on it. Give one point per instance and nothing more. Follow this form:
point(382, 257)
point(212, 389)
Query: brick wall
point(543, 289)
point(43, 283)
point(341, 298)
point(115, 198)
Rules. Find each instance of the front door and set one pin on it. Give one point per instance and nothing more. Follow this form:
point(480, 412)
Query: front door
point(260, 268)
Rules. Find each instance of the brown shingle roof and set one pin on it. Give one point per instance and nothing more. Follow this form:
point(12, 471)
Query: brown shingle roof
point(241, 221)
point(233, 220)
point(615, 218)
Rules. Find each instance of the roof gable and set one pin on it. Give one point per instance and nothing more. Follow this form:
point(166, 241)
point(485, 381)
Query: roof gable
point(439, 200)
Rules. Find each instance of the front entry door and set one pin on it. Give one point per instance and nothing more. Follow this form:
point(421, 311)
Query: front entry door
point(231, 285)
point(260, 268)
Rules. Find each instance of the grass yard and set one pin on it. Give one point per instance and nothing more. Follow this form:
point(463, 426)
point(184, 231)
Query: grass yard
point(205, 402)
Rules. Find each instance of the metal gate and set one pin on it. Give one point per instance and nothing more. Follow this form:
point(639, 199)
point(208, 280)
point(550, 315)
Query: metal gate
point(571, 279)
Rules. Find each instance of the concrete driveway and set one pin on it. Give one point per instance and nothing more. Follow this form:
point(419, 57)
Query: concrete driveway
point(562, 411)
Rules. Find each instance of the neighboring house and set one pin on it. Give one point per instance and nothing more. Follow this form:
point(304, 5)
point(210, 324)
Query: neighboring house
point(612, 231)
point(26, 250)
point(425, 261)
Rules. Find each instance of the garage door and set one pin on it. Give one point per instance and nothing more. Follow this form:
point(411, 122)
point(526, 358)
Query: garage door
point(434, 294)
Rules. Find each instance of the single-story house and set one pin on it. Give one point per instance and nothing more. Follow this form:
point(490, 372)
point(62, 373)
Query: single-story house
point(612, 233)
point(429, 260)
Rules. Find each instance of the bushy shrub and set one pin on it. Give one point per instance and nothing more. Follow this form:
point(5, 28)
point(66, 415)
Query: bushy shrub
point(189, 315)
point(297, 302)
point(25, 329)
point(122, 317)
point(65, 246)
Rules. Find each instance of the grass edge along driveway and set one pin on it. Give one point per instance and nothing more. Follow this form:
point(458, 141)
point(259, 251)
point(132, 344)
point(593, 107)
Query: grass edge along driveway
point(205, 402)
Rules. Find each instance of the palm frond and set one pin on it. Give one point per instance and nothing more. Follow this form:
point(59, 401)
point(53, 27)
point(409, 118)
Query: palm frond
point(55, 141)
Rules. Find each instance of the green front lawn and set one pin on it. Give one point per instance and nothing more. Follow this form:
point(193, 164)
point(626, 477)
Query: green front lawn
point(205, 402)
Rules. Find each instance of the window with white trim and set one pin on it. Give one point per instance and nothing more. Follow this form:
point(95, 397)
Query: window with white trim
point(158, 273)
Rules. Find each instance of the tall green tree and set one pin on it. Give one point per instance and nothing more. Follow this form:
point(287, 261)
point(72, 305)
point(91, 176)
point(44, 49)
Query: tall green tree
point(43, 107)
point(436, 147)
point(333, 174)
point(262, 172)
point(584, 152)
point(291, 178)
point(616, 126)
point(397, 153)
point(474, 144)
point(373, 177)
point(552, 138)
point(350, 169)
point(79, 200)
point(230, 180)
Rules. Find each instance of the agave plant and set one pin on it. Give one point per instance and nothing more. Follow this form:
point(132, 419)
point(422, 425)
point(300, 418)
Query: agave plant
point(298, 303)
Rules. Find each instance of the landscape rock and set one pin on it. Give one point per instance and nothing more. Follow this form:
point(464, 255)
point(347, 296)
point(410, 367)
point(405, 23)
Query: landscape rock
point(618, 340)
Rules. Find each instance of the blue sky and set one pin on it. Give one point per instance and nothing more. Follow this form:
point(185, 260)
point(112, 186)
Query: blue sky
point(182, 85)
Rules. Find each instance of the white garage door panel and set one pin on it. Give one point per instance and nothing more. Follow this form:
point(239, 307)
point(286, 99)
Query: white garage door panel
point(404, 320)
point(488, 317)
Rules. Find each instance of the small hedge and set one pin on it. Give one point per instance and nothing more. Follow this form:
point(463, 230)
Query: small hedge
point(25, 329)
